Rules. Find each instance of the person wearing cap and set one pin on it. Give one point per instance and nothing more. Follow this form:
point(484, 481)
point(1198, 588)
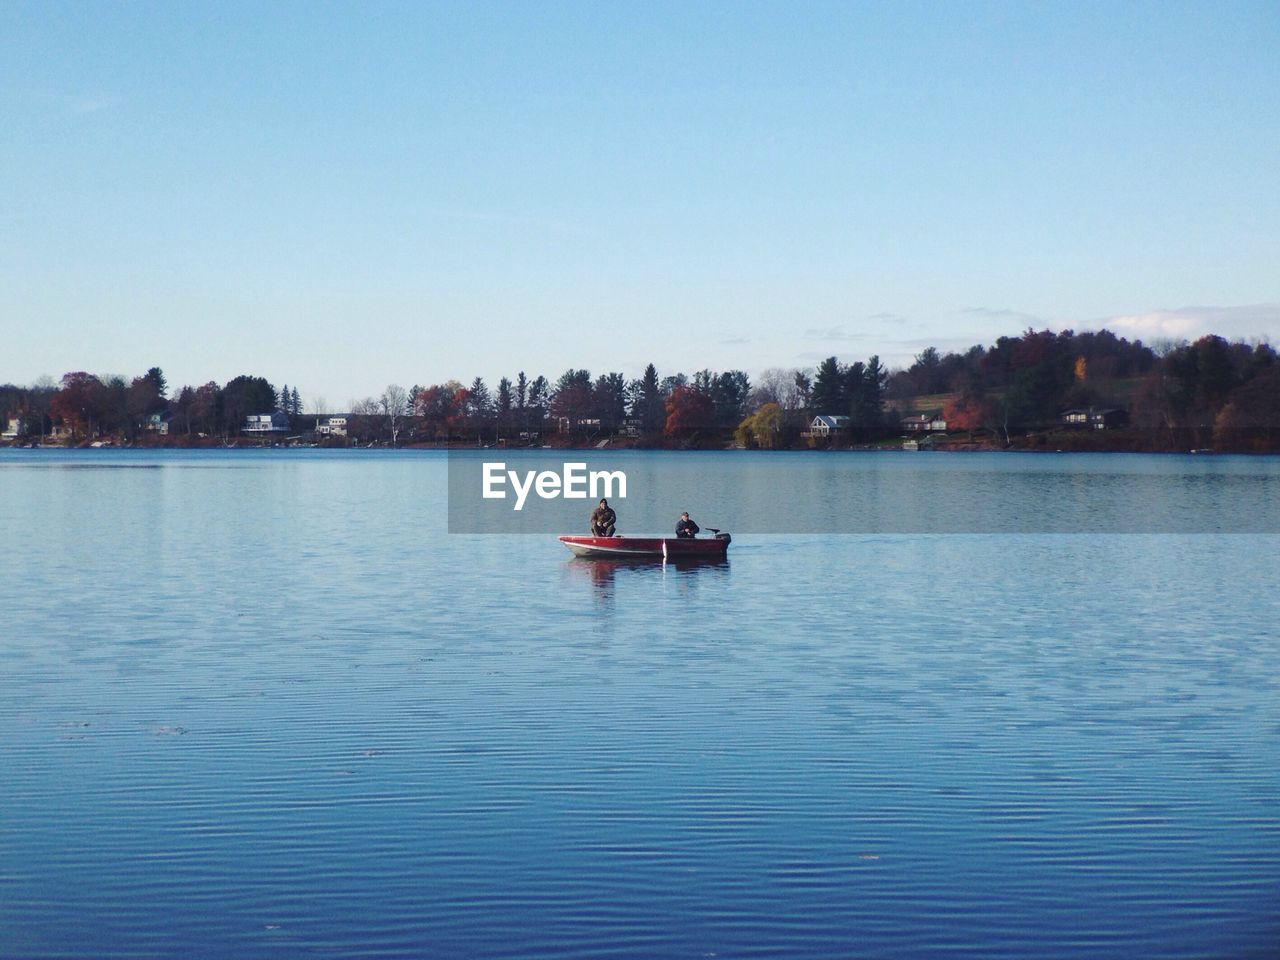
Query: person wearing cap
point(603, 520)
point(686, 529)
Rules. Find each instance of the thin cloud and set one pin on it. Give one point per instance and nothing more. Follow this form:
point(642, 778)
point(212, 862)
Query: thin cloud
point(943, 344)
point(83, 106)
point(734, 341)
point(69, 104)
point(1244, 321)
point(837, 332)
point(900, 352)
point(844, 356)
point(1003, 314)
point(809, 355)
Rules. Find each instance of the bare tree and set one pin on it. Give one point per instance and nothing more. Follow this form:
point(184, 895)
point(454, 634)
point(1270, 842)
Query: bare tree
point(365, 422)
point(779, 386)
point(394, 404)
point(1163, 346)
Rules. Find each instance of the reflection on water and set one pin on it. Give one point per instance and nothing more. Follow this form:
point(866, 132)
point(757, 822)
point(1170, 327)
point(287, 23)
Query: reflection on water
point(604, 572)
point(277, 711)
point(673, 578)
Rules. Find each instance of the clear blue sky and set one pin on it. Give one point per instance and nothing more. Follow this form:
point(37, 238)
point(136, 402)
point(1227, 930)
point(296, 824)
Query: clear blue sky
point(339, 196)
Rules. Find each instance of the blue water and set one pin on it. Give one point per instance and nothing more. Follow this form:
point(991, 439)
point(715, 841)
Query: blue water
point(261, 705)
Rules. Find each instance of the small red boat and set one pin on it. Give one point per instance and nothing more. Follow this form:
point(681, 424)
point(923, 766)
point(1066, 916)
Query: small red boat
point(650, 548)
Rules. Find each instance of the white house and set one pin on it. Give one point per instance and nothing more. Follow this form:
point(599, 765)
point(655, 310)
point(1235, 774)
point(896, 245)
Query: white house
point(1098, 419)
point(592, 424)
point(923, 423)
point(824, 426)
point(916, 423)
point(158, 423)
point(1076, 416)
point(331, 426)
point(266, 423)
point(13, 428)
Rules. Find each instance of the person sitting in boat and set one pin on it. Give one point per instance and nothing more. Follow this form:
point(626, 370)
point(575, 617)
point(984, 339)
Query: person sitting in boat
point(603, 520)
point(686, 529)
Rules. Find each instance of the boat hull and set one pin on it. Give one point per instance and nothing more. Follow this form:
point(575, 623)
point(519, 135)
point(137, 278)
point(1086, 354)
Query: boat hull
point(648, 548)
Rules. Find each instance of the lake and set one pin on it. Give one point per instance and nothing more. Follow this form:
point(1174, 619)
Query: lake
point(262, 704)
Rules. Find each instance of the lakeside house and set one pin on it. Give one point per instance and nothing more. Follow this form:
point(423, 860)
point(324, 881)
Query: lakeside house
point(824, 425)
point(1107, 419)
point(14, 428)
point(331, 426)
point(265, 423)
point(923, 423)
point(584, 424)
point(158, 423)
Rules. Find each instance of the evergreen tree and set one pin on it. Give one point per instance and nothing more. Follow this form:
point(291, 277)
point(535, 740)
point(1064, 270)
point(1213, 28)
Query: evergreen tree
point(854, 393)
point(633, 395)
point(539, 394)
point(652, 411)
point(504, 396)
point(156, 378)
point(729, 394)
point(874, 379)
point(571, 400)
point(479, 400)
point(828, 395)
point(927, 371)
point(295, 403)
point(804, 388)
point(539, 399)
point(522, 391)
point(609, 402)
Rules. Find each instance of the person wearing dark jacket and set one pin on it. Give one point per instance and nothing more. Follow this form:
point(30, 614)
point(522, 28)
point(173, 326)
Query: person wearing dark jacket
point(686, 529)
point(603, 520)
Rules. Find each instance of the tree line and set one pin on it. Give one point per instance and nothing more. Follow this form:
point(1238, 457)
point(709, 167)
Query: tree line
point(1212, 392)
point(1176, 395)
point(578, 406)
point(84, 406)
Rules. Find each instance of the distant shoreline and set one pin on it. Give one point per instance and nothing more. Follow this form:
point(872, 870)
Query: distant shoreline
point(887, 447)
point(1069, 391)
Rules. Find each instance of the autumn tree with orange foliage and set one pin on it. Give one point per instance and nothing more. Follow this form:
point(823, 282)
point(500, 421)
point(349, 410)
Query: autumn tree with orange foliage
point(972, 413)
point(690, 412)
point(1251, 418)
point(81, 402)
